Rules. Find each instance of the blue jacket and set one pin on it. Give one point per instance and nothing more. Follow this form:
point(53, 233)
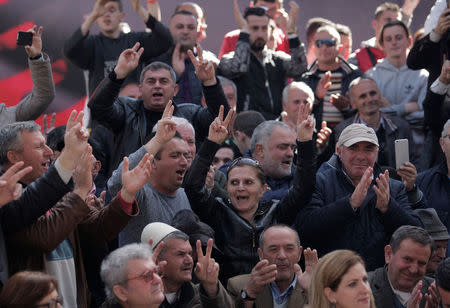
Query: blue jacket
point(330, 223)
point(435, 186)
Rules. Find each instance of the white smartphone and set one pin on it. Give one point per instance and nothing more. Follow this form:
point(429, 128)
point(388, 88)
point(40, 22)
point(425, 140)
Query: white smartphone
point(401, 152)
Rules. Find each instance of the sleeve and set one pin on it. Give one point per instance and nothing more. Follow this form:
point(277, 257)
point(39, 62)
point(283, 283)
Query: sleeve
point(299, 195)
point(104, 225)
point(222, 299)
point(79, 49)
point(200, 198)
point(115, 181)
point(156, 42)
point(34, 104)
point(237, 63)
point(433, 17)
point(36, 199)
point(432, 106)
point(423, 54)
point(295, 64)
point(52, 228)
point(105, 105)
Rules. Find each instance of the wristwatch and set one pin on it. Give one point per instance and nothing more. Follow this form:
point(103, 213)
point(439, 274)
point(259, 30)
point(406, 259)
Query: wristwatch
point(245, 297)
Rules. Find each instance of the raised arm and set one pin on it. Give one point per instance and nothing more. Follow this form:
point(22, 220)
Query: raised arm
point(300, 193)
point(104, 103)
point(35, 103)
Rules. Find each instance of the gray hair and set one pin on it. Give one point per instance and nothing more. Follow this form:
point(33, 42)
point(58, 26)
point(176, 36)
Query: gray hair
point(279, 226)
point(298, 85)
point(445, 129)
point(11, 140)
point(416, 234)
point(156, 66)
point(331, 30)
point(228, 82)
point(263, 132)
point(114, 268)
point(175, 234)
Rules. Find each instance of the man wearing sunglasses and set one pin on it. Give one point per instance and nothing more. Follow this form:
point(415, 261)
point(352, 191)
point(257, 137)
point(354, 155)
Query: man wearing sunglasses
point(329, 77)
point(259, 72)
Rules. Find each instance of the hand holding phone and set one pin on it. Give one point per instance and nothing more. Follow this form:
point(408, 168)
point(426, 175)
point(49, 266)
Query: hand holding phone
point(24, 38)
point(401, 152)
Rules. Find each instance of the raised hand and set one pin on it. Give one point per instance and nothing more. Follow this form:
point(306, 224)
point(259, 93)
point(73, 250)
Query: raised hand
point(323, 85)
point(166, 127)
point(293, 16)
point(178, 60)
point(209, 182)
point(311, 260)
point(323, 135)
point(75, 141)
point(128, 61)
point(9, 188)
point(416, 296)
point(408, 173)
point(340, 101)
point(240, 20)
point(99, 9)
point(432, 297)
point(82, 177)
point(47, 128)
point(36, 46)
point(409, 6)
point(305, 123)
point(360, 192)
point(382, 191)
point(207, 269)
point(133, 180)
point(281, 18)
point(218, 132)
point(262, 274)
point(203, 69)
point(445, 72)
point(155, 257)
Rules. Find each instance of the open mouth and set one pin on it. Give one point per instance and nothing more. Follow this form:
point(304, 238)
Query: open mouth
point(239, 198)
point(181, 172)
point(46, 164)
point(157, 94)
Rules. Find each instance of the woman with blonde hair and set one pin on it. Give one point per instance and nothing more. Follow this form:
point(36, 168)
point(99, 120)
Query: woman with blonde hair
point(340, 280)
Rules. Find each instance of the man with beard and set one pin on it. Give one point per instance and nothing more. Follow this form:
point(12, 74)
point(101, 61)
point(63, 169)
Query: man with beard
point(260, 73)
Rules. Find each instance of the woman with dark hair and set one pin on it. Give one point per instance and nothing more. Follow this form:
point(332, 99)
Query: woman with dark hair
point(239, 219)
point(340, 280)
point(30, 290)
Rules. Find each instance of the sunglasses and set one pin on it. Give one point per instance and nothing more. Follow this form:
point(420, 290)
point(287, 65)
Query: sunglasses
point(244, 161)
point(327, 42)
point(53, 303)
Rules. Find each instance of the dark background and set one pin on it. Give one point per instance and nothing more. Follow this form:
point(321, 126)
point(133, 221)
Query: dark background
point(61, 18)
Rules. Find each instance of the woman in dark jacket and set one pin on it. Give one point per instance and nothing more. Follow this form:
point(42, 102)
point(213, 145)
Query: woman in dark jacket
point(238, 221)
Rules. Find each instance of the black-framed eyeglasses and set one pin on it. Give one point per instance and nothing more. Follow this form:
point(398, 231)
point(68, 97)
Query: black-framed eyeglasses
point(53, 303)
point(244, 161)
point(146, 276)
point(327, 42)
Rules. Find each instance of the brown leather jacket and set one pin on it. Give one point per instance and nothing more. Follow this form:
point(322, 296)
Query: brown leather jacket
point(71, 218)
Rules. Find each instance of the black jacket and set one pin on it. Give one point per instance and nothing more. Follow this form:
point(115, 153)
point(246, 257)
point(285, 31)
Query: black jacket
point(99, 54)
point(126, 118)
point(330, 223)
point(235, 236)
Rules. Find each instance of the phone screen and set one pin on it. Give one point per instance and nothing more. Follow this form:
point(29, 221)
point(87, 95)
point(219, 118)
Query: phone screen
point(24, 38)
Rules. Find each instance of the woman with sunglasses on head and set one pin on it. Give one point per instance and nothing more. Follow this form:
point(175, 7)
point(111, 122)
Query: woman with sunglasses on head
point(30, 290)
point(239, 220)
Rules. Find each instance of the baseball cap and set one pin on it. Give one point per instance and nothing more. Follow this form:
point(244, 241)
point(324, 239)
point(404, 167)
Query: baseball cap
point(355, 133)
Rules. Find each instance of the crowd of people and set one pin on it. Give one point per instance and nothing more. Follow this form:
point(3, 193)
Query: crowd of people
point(266, 176)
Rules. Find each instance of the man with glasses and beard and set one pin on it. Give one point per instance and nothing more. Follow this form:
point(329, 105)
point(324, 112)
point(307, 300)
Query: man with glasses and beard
point(260, 73)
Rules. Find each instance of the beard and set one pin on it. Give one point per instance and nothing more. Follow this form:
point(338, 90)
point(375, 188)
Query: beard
point(258, 44)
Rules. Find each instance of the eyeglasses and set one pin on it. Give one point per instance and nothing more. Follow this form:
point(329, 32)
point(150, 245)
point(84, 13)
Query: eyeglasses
point(327, 42)
point(244, 161)
point(147, 276)
point(53, 303)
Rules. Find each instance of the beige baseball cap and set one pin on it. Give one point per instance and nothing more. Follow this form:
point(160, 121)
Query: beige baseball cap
point(157, 231)
point(356, 133)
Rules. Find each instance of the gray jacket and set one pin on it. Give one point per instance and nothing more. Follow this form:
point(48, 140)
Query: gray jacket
point(35, 103)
